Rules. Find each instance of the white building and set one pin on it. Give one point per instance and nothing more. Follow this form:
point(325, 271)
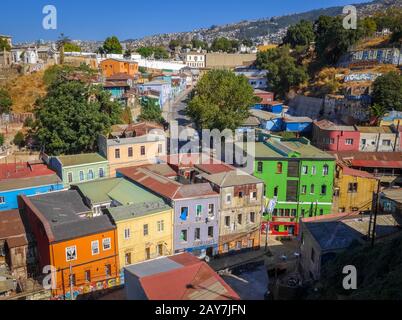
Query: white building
point(195, 60)
point(25, 55)
point(378, 139)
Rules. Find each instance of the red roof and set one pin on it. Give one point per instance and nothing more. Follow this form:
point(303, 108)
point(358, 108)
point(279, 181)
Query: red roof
point(370, 159)
point(194, 281)
point(23, 170)
point(355, 173)
point(215, 168)
point(376, 164)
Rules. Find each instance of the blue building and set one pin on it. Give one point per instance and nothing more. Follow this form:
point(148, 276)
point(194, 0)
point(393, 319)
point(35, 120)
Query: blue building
point(25, 179)
point(297, 124)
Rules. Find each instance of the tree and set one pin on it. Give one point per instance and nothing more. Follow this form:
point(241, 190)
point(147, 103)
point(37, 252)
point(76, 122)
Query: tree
point(377, 111)
point(19, 139)
point(2, 139)
point(61, 43)
point(4, 45)
point(173, 44)
point(196, 44)
point(300, 34)
point(221, 100)
point(112, 46)
point(127, 54)
point(72, 115)
point(368, 26)
point(283, 71)
point(72, 47)
point(224, 44)
point(151, 111)
point(247, 42)
point(5, 101)
point(145, 51)
point(332, 39)
point(160, 53)
point(387, 91)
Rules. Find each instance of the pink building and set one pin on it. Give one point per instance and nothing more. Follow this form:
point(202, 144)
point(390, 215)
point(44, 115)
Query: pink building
point(332, 137)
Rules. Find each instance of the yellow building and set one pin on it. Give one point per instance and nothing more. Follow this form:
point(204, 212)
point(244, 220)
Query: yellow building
point(266, 47)
point(145, 230)
point(354, 190)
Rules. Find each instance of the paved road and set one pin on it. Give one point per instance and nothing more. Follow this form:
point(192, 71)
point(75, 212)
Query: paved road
point(175, 110)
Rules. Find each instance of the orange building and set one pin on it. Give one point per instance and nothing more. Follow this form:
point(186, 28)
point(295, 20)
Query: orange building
point(81, 248)
point(110, 67)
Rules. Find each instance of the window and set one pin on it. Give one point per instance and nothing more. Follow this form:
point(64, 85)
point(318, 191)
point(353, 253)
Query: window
point(225, 247)
point(386, 143)
point(241, 194)
point(147, 253)
point(287, 212)
point(101, 173)
point(143, 150)
point(253, 195)
point(313, 170)
point(210, 232)
point(303, 212)
point(184, 213)
point(130, 152)
point(88, 275)
point(364, 142)
point(160, 250)
point(82, 176)
point(160, 225)
point(281, 212)
point(146, 231)
point(252, 217)
point(312, 255)
point(331, 141)
point(276, 190)
point(260, 167)
point(324, 189)
point(293, 212)
point(198, 211)
point(321, 212)
point(106, 243)
point(304, 189)
point(211, 210)
point(238, 245)
point(197, 234)
point(293, 169)
point(325, 170)
point(70, 177)
point(95, 247)
point(279, 167)
point(352, 188)
point(292, 190)
point(127, 234)
point(108, 270)
point(71, 253)
point(312, 189)
point(2, 200)
point(349, 142)
point(127, 258)
point(160, 148)
point(305, 169)
point(239, 218)
point(183, 235)
point(228, 198)
point(117, 153)
point(90, 174)
point(227, 221)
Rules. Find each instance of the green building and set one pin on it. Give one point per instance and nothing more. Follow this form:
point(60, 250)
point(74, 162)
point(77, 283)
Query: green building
point(80, 168)
point(298, 181)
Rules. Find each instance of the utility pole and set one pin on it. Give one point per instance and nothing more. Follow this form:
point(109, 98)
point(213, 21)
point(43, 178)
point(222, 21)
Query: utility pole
point(71, 283)
point(377, 206)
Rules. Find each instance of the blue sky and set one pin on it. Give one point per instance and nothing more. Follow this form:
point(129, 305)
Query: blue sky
point(95, 20)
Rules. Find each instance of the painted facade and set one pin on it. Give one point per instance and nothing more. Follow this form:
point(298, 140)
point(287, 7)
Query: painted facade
point(378, 139)
point(298, 181)
point(80, 168)
point(111, 67)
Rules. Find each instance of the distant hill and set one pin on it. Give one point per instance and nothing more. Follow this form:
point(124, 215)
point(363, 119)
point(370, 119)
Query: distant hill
point(272, 28)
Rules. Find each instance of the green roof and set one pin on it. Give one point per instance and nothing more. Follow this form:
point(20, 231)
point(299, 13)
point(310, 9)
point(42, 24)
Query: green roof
point(118, 189)
point(138, 210)
point(81, 159)
point(289, 148)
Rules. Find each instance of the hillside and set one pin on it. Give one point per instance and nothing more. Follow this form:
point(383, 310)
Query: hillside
point(265, 29)
point(24, 91)
point(379, 273)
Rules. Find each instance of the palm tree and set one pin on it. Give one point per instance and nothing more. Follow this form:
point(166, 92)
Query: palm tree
point(377, 111)
point(61, 42)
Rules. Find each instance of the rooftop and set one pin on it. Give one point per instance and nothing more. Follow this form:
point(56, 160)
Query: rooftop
point(182, 277)
point(118, 189)
point(231, 178)
point(329, 125)
point(23, 170)
point(374, 129)
point(393, 194)
point(12, 229)
point(139, 209)
point(81, 159)
point(354, 172)
point(29, 182)
point(276, 147)
point(65, 214)
point(370, 159)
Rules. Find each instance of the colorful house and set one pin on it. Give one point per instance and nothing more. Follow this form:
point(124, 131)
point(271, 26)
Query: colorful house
point(195, 205)
point(79, 168)
point(111, 67)
point(296, 124)
point(162, 86)
point(332, 137)
point(28, 178)
point(298, 181)
point(132, 145)
point(353, 190)
point(241, 206)
point(145, 228)
point(378, 139)
point(265, 96)
point(82, 249)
